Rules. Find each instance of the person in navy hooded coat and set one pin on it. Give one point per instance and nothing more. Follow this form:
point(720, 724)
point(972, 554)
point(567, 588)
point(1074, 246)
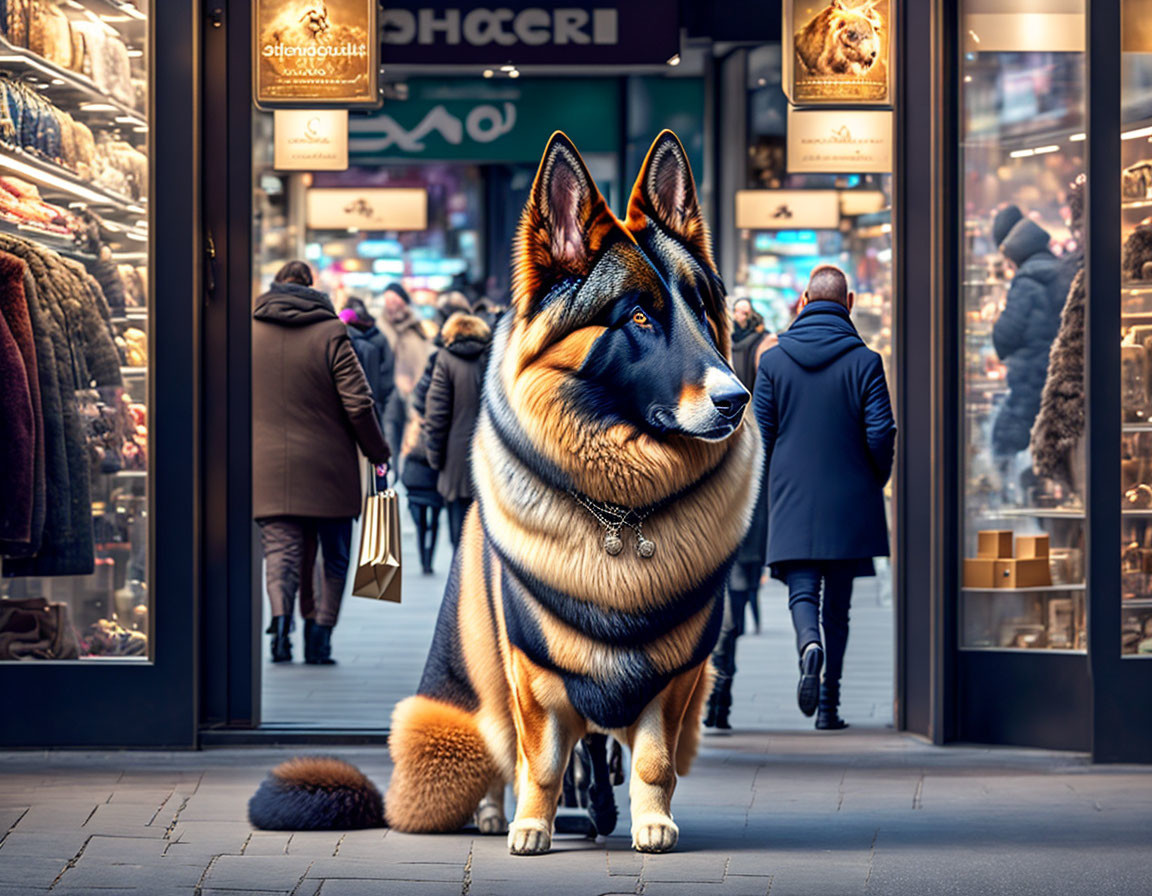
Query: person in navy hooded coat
point(822, 404)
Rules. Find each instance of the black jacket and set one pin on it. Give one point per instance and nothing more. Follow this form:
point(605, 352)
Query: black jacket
point(754, 547)
point(822, 403)
point(379, 363)
point(453, 403)
point(1024, 331)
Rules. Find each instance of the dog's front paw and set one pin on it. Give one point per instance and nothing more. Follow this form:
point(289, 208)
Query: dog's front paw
point(654, 833)
point(490, 818)
point(529, 837)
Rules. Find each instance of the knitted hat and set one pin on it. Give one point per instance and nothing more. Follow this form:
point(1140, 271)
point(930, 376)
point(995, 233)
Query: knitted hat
point(1004, 221)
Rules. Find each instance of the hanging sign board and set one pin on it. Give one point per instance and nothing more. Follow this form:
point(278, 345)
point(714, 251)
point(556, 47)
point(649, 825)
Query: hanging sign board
point(836, 141)
point(787, 209)
point(841, 52)
point(536, 32)
point(349, 208)
point(311, 139)
point(315, 53)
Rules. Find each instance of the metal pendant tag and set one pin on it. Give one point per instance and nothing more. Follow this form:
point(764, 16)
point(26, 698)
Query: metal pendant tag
point(612, 544)
point(644, 547)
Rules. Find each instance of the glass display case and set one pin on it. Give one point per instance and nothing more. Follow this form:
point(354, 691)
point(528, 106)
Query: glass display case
point(1022, 454)
point(1135, 344)
point(74, 239)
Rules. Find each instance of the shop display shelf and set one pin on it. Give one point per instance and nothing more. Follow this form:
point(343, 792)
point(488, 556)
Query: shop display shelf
point(1136, 288)
point(1136, 427)
point(131, 474)
point(60, 184)
point(65, 245)
point(1137, 514)
point(1039, 589)
point(1056, 513)
point(1137, 603)
point(71, 91)
point(133, 371)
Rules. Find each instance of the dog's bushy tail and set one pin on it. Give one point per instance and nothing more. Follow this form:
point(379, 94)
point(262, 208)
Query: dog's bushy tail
point(316, 793)
point(442, 767)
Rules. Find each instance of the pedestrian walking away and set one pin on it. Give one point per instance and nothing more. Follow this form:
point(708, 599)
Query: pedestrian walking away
point(452, 406)
point(311, 408)
point(424, 501)
point(750, 340)
point(822, 403)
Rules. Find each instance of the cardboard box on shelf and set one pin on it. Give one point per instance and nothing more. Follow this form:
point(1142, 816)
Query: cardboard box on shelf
point(1028, 573)
point(994, 543)
point(1032, 547)
point(980, 572)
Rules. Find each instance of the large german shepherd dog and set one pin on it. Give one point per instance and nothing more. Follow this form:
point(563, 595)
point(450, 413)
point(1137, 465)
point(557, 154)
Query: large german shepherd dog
point(609, 387)
point(615, 477)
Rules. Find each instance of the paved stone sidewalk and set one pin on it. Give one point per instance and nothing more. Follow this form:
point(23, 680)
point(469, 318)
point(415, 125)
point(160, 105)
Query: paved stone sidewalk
point(762, 815)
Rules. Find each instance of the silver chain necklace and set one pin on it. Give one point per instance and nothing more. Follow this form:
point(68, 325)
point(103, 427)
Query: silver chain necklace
point(613, 518)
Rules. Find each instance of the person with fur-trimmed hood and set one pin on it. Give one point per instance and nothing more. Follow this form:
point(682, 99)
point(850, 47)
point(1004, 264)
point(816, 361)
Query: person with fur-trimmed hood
point(1023, 334)
point(451, 409)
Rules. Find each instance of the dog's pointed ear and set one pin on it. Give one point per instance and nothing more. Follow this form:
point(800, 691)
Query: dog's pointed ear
point(665, 192)
point(563, 226)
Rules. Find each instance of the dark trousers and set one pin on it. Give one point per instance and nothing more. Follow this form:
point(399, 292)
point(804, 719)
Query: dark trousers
point(289, 544)
point(427, 520)
point(809, 613)
point(457, 510)
point(724, 653)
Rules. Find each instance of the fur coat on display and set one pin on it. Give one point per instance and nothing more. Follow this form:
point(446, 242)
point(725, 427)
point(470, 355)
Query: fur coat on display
point(1059, 426)
point(22, 470)
point(84, 355)
point(1024, 331)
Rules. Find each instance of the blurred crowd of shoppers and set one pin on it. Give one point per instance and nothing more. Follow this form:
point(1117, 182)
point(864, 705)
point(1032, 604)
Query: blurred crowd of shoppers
point(327, 384)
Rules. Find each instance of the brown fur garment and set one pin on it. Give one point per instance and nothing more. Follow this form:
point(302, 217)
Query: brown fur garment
point(1059, 425)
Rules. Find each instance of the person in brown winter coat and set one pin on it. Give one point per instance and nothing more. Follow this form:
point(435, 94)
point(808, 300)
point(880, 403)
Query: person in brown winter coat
point(450, 412)
point(312, 408)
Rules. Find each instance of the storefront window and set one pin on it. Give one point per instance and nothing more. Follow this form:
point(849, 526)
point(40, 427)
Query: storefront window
point(1022, 301)
point(1136, 340)
point(74, 330)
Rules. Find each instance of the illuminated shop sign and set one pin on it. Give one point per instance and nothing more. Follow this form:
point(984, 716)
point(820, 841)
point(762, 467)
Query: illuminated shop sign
point(621, 33)
point(787, 209)
point(311, 139)
point(827, 141)
point(375, 208)
point(841, 52)
point(315, 52)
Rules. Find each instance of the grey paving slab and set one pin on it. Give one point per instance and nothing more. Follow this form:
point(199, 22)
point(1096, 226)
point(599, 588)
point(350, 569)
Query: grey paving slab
point(31, 872)
point(43, 844)
point(395, 888)
point(317, 844)
point(256, 872)
point(367, 869)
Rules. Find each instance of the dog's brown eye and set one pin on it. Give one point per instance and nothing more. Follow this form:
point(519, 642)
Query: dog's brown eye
point(640, 318)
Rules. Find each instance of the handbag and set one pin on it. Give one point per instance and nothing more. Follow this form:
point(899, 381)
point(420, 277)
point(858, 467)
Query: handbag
point(378, 564)
point(33, 628)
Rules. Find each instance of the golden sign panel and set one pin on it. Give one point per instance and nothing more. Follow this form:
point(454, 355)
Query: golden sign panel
point(841, 52)
point(315, 52)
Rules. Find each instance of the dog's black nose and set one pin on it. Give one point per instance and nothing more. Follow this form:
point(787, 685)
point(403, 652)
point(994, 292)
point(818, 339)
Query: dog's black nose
point(730, 405)
point(873, 55)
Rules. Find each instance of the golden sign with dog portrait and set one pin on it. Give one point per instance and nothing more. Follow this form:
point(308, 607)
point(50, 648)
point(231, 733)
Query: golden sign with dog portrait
point(841, 52)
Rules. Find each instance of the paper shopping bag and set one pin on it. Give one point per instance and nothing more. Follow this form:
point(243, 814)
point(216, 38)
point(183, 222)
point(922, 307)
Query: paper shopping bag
point(378, 565)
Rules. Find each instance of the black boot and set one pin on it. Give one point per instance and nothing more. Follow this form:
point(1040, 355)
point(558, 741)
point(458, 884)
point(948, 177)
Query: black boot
point(808, 690)
point(281, 646)
point(309, 641)
point(827, 716)
point(320, 642)
point(719, 704)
